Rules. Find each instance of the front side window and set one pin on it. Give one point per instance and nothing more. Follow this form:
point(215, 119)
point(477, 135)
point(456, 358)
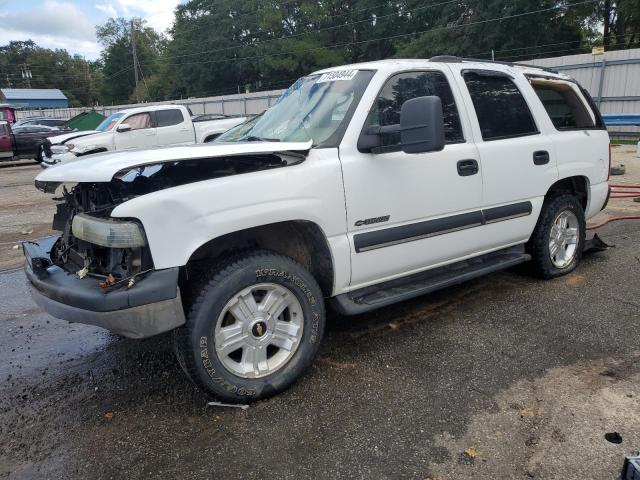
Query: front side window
point(405, 86)
point(138, 121)
point(167, 118)
point(500, 107)
point(109, 122)
point(316, 108)
point(565, 108)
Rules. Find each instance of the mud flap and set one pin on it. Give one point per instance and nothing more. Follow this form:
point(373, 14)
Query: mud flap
point(595, 244)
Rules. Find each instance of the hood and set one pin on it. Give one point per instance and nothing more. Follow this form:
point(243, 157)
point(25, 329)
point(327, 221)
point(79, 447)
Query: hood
point(60, 139)
point(101, 167)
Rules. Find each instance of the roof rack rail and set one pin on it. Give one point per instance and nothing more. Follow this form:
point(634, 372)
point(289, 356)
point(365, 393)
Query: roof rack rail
point(455, 59)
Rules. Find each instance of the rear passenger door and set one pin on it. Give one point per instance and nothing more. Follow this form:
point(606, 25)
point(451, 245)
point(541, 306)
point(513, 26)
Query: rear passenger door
point(172, 128)
point(518, 160)
point(6, 145)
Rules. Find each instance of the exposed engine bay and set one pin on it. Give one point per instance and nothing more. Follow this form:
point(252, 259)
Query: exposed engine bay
point(95, 202)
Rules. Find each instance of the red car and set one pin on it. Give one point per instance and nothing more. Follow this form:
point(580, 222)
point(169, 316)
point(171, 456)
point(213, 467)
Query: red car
point(7, 142)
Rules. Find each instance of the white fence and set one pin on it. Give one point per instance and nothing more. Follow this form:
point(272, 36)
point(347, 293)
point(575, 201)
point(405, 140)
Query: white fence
point(240, 104)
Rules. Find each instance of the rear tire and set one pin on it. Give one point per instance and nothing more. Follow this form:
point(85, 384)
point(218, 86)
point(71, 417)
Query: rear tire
point(558, 240)
point(254, 325)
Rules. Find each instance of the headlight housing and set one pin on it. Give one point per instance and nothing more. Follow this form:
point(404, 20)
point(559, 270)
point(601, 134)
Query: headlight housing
point(108, 232)
point(58, 149)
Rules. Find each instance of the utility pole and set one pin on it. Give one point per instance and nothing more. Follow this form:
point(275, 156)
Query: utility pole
point(135, 56)
point(26, 74)
point(8, 81)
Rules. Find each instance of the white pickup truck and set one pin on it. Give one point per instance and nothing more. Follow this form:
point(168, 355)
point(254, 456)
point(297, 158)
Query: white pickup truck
point(364, 185)
point(144, 127)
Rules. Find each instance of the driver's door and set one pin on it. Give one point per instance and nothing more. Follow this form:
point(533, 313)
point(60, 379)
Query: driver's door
point(406, 212)
point(141, 135)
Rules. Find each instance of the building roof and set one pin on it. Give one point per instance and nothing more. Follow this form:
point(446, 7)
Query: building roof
point(32, 94)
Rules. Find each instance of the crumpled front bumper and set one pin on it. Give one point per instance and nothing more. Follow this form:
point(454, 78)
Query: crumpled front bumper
point(151, 306)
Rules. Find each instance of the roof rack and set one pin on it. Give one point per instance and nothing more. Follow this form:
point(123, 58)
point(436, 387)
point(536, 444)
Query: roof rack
point(455, 59)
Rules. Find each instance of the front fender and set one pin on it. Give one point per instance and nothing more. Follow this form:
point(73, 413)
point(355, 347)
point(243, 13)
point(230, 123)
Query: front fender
point(178, 220)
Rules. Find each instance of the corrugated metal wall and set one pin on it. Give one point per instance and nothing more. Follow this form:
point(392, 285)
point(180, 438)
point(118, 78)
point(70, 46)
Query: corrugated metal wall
point(612, 79)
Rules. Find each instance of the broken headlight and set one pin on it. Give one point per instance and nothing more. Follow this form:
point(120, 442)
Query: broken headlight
point(107, 232)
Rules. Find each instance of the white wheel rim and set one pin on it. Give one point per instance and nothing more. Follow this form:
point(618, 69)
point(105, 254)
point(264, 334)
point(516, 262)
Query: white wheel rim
point(259, 330)
point(563, 239)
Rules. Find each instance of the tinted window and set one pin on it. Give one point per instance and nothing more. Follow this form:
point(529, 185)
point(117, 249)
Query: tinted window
point(405, 86)
point(500, 107)
point(565, 108)
point(138, 121)
point(52, 123)
point(166, 118)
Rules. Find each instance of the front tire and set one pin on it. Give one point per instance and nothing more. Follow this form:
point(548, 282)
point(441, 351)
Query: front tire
point(558, 240)
point(253, 327)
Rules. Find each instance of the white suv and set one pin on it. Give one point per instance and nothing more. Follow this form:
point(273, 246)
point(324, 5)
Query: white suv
point(365, 184)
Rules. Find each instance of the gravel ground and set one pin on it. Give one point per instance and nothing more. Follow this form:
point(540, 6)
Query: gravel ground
point(505, 377)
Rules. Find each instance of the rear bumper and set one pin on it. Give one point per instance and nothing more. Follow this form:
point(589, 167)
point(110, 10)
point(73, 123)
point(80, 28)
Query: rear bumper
point(151, 306)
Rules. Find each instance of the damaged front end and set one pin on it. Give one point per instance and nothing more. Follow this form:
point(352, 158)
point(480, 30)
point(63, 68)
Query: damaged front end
point(100, 270)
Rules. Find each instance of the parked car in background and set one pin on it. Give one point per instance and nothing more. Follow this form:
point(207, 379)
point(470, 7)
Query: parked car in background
point(46, 121)
point(364, 185)
point(142, 127)
point(6, 141)
point(7, 113)
point(29, 140)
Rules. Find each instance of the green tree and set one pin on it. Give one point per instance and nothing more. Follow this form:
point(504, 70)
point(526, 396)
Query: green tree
point(118, 83)
point(76, 77)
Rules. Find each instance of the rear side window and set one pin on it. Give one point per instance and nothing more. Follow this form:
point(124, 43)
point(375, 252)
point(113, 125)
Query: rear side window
point(167, 118)
point(405, 86)
point(565, 108)
point(500, 107)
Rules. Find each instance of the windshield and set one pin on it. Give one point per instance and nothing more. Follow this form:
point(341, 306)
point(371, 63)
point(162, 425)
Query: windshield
point(109, 122)
point(316, 108)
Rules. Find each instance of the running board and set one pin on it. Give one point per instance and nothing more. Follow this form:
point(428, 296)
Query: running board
point(387, 293)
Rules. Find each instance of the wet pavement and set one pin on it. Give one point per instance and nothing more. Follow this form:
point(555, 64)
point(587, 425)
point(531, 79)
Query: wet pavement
point(525, 376)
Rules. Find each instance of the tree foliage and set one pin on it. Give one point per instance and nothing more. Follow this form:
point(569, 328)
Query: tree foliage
point(75, 76)
point(228, 46)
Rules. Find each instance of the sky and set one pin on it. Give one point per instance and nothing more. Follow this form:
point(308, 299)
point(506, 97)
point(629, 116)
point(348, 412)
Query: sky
point(70, 24)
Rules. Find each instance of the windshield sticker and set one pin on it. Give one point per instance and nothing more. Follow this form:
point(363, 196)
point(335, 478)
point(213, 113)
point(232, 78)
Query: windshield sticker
point(337, 75)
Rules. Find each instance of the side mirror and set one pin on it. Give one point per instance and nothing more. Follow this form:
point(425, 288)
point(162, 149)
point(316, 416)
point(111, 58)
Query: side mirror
point(421, 128)
point(124, 127)
point(422, 125)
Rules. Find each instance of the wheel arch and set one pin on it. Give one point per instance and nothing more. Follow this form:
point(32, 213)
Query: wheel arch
point(577, 185)
point(301, 240)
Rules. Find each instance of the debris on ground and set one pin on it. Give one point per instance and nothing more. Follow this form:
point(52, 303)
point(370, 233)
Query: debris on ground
point(83, 273)
point(27, 232)
point(232, 405)
point(108, 415)
point(618, 170)
point(613, 437)
point(471, 452)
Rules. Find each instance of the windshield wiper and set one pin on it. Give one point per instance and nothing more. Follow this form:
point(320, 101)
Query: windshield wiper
point(253, 138)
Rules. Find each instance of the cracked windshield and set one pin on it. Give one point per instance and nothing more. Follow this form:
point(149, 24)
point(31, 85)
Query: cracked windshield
point(314, 108)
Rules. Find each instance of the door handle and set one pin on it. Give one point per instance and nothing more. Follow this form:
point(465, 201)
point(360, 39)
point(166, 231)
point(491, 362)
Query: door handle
point(541, 157)
point(467, 167)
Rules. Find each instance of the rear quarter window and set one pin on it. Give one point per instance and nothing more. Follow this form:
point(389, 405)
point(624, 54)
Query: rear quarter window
point(566, 109)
